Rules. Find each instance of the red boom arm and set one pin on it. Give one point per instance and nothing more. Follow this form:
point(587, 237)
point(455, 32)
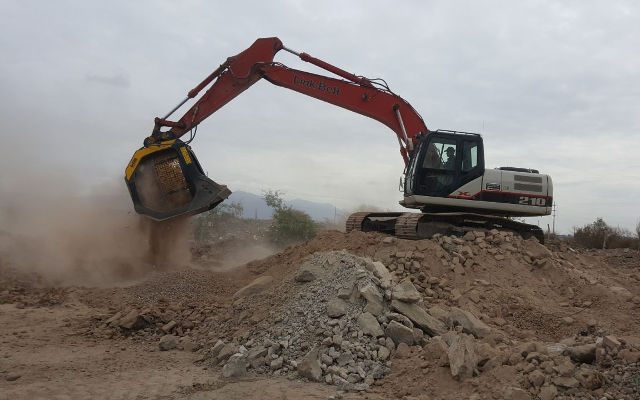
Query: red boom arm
point(238, 73)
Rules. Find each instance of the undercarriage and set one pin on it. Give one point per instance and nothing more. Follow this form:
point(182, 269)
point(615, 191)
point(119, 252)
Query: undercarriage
point(416, 226)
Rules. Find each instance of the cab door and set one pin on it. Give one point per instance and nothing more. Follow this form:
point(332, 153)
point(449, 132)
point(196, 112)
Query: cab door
point(436, 172)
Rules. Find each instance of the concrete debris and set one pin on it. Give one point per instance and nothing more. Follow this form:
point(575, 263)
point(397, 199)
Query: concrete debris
point(235, 367)
point(430, 325)
point(168, 342)
point(399, 333)
point(405, 291)
point(309, 367)
point(469, 322)
point(369, 325)
point(462, 357)
point(336, 308)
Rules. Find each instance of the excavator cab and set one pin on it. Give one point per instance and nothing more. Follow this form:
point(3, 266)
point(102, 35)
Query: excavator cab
point(165, 181)
point(444, 161)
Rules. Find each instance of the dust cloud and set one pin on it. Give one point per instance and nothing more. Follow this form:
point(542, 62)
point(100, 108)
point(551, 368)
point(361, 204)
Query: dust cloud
point(92, 239)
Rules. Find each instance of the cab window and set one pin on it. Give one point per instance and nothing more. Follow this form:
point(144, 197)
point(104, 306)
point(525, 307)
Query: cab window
point(470, 156)
point(441, 154)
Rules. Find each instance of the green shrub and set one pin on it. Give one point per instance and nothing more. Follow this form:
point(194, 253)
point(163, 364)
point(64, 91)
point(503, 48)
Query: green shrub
point(289, 225)
point(599, 235)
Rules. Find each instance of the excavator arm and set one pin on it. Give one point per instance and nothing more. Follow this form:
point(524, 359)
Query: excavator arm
point(240, 72)
point(164, 177)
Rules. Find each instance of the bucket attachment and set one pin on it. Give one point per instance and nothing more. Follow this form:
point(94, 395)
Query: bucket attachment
point(166, 181)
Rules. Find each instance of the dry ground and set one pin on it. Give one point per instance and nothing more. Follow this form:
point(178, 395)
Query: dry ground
point(55, 344)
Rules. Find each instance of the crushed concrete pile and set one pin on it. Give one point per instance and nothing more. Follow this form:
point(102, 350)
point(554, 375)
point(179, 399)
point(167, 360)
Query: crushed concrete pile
point(340, 327)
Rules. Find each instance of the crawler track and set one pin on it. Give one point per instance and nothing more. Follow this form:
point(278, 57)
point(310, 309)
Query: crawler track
point(415, 226)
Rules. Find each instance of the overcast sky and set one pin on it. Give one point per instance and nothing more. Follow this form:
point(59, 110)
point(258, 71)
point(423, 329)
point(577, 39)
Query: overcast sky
point(551, 85)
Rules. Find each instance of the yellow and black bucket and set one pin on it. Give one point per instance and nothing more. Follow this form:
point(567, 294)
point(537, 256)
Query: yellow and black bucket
point(166, 181)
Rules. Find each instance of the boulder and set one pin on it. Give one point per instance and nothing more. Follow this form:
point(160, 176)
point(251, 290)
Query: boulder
point(399, 333)
point(405, 291)
point(305, 274)
point(168, 342)
point(309, 367)
point(423, 320)
point(133, 320)
point(336, 308)
point(369, 325)
point(436, 349)
point(381, 272)
point(535, 250)
point(536, 378)
point(548, 392)
point(585, 353)
point(611, 342)
point(166, 328)
point(403, 351)
point(462, 357)
point(225, 352)
point(236, 367)
point(255, 287)
point(383, 353)
point(372, 295)
point(469, 322)
point(215, 350)
point(566, 382)
point(400, 318)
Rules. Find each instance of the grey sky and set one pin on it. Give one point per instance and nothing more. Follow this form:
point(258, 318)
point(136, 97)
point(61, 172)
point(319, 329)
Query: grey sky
point(552, 85)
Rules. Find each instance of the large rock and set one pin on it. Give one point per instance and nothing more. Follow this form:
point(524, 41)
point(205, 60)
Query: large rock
point(225, 352)
point(309, 367)
point(423, 320)
point(535, 250)
point(369, 325)
point(462, 356)
point(236, 367)
point(133, 320)
point(392, 316)
point(305, 274)
point(372, 295)
point(168, 342)
point(381, 272)
point(215, 350)
point(405, 291)
point(399, 333)
point(565, 382)
point(255, 287)
point(469, 322)
point(548, 392)
point(383, 353)
point(436, 349)
point(583, 354)
point(336, 308)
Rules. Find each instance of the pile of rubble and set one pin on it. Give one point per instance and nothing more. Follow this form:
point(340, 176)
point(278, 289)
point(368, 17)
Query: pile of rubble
point(344, 323)
point(469, 304)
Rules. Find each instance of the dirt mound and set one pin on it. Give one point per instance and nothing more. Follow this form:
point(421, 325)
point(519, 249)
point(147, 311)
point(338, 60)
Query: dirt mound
point(487, 315)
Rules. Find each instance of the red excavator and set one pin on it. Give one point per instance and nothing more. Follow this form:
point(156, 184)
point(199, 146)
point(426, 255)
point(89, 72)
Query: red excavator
point(445, 176)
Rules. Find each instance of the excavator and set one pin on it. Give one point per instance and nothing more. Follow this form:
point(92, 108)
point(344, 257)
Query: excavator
point(444, 176)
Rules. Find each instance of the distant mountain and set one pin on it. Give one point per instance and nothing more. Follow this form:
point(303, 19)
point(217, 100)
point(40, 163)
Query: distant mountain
point(254, 206)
